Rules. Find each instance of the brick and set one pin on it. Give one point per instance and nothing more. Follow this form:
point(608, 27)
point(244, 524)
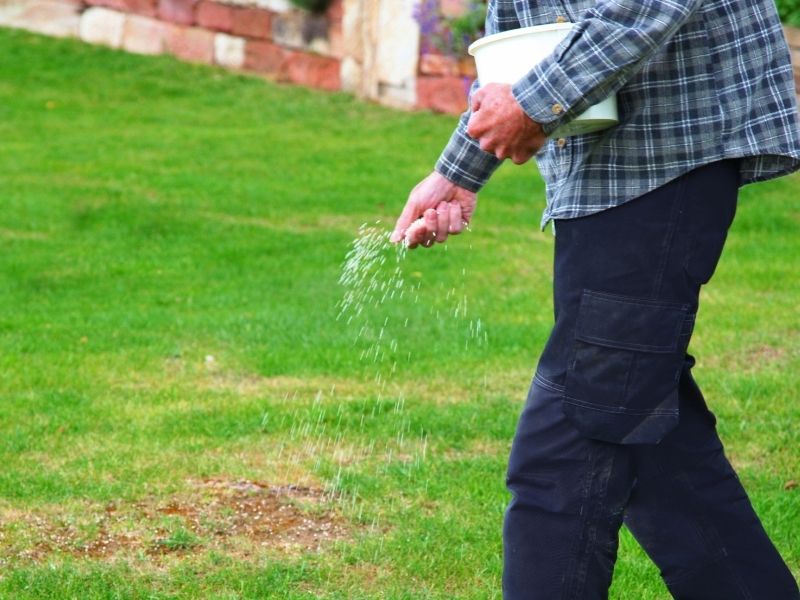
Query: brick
point(438, 64)
point(213, 15)
point(143, 35)
point(191, 44)
point(467, 68)
point(312, 70)
point(252, 22)
point(180, 12)
point(102, 26)
point(335, 11)
point(229, 51)
point(453, 8)
point(264, 57)
point(443, 94)
point(147, 8)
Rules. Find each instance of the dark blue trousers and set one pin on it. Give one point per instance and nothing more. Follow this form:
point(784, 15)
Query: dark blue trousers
point(615, 429)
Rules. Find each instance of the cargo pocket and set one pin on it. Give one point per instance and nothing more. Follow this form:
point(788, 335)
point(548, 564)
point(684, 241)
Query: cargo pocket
point(622, 378)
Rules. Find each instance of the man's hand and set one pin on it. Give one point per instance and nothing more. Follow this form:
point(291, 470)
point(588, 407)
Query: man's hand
point(445, 209)
point(501, 126)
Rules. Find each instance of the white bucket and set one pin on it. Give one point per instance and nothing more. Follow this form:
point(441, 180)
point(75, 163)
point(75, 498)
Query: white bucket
point(508, 56)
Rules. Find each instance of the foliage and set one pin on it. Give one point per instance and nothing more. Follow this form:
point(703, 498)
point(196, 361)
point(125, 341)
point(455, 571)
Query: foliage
point(449, 35)
point(789, 11)
point(156, 214)
point(312, 5)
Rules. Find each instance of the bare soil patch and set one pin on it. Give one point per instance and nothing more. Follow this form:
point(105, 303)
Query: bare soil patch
point(232, 516)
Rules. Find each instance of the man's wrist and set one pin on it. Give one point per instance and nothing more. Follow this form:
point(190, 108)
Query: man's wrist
point(463, 163)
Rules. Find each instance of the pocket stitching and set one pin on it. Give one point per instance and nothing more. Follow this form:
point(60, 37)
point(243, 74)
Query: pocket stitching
point(683, 308)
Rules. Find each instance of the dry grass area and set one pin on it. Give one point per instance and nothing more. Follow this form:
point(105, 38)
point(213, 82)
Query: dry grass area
point(242, 518)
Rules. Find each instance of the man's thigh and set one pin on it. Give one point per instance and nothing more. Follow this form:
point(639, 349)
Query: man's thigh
point(626, 288)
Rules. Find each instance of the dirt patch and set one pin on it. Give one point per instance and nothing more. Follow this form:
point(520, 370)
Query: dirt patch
point(765, 355)
point(232, 516)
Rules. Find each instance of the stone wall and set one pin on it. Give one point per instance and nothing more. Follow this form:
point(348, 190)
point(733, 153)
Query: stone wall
point(369, 47)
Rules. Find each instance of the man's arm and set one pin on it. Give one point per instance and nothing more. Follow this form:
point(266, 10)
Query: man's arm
point(442, 203)
point(463, 162)
point(599, 56)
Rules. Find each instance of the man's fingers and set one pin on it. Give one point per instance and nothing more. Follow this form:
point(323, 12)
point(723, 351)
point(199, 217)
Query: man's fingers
point(415, 233)
point(431, 220)
point(520, 158)
point(456, 223)
point(475, 126)
point(407, 217)
point(423, 231)
point(442, 222)
point(477, 99)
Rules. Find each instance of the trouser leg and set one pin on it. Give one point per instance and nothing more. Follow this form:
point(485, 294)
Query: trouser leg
point(609, 383)
point(692, 516)
point(568, 494)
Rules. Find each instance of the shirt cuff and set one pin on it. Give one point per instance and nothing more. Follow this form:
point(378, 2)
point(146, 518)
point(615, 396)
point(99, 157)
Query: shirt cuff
point(464, 163)
point(549, 97)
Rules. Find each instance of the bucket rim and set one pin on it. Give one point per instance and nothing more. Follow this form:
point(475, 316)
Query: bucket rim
point(512, 33)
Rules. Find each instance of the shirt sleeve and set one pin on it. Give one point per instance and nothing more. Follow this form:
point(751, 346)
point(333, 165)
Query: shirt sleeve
point(462, 161)
point(601, 53)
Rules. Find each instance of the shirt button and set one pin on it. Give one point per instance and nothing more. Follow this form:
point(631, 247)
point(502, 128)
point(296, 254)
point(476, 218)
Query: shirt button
point(562, 142)
point(557, 109)
point(561, 19)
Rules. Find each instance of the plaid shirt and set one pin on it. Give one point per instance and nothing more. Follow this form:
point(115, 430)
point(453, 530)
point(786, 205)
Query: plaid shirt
point(697, 81)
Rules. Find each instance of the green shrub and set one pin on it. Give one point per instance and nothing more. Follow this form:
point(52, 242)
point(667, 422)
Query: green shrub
point(789, 11)
point(312, 5)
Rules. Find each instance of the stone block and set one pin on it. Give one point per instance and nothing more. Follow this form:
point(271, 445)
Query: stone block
point(438, 64)
point(277, 6)
point(443, 94)
point(180, 12)
point(213, 15)
point(350, 74)
point(48, 17)
point(792, 35)
point(229, 51)
point(143, 35)
point(353, 24)
point(398, 96)
point(191, 44)
point(321, 72)
point(795, 53)
point(102, 26)
point(252, 23)
point(336, 39)
point(397, 55)
point(264, 57)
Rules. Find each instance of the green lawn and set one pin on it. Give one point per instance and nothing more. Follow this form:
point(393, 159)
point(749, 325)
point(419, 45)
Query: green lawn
point(183, 416)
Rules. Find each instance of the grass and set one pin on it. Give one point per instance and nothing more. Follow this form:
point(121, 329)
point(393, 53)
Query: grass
point(172, 372)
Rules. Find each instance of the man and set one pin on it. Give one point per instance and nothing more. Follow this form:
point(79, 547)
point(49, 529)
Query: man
point(615, 428)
